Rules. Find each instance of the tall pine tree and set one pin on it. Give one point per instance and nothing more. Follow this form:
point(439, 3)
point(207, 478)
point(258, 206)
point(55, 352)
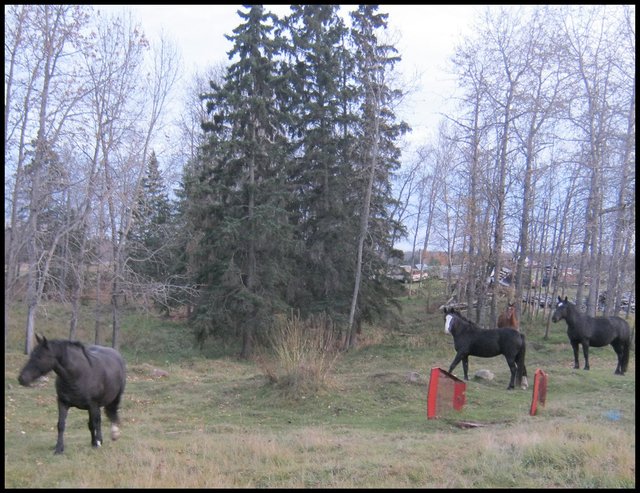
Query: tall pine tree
point(242, 190)
point(151, 238)
point(317, 61)
point(276, 199)
point(376, 158)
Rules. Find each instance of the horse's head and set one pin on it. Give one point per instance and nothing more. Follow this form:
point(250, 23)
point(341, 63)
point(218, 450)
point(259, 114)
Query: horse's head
point(448, 318)
point(561, 309)
point(41, 362)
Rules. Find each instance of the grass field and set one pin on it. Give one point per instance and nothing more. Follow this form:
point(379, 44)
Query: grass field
point(216, 421)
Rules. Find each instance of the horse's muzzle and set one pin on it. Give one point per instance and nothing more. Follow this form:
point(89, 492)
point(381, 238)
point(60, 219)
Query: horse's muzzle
point(23, 381)
point(26, 379)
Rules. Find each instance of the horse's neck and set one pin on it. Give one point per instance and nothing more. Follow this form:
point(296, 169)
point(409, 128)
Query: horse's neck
point(466, 325)
point(70, 365)
point(574, 316)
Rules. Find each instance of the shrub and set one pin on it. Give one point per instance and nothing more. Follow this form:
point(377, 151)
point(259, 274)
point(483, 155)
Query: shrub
point(303, 353)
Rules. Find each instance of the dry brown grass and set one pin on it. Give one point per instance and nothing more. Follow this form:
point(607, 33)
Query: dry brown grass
point(219, 422)
point(303, 353)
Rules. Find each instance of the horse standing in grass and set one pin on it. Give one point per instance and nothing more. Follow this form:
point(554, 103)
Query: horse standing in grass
point(508, 317)
point(471, 340)
point(594, 331)
point(88, 377)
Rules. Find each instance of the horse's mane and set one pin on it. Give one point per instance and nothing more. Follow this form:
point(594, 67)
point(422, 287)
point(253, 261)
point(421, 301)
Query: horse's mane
point(77, 344)
point(454, 311)
point(83, 347)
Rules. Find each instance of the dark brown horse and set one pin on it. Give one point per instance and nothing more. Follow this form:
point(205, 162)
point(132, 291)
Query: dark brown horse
point(88, 377)
point(508, 317)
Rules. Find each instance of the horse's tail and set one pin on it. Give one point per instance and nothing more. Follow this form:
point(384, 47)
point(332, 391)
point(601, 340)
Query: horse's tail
point(521, 373)
point(626, 346)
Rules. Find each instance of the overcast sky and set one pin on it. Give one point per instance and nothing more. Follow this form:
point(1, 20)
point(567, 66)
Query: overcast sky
point(425, 36)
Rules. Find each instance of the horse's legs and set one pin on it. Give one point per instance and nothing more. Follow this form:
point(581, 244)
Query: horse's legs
point(63, 409)
point(512, 367)
point(94, 425)
point(465, 367)
point(585, 350)
point(112, 413)
point(455, 362)
point(617, 345)
point(575, 346)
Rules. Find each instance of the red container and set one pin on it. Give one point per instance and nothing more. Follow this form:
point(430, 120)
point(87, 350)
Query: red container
point(539, 391)
point(446, 392)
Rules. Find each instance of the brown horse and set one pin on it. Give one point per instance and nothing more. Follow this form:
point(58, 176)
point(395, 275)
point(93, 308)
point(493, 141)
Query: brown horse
point(508, 317)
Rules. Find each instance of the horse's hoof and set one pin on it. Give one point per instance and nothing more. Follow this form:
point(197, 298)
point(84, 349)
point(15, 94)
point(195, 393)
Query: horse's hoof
point(98, 444)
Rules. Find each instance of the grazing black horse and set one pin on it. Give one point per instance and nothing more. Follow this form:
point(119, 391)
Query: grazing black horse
point(88, 377)
point(594, 331)
point(471, 340)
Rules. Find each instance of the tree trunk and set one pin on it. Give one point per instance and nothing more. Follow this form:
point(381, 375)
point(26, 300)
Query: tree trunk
point(364, 218)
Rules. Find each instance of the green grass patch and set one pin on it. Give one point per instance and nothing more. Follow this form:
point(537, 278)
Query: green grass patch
point(202, 418)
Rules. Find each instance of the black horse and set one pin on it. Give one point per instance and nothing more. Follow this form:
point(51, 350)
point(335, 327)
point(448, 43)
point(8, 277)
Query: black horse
point(88, 377)
point(471, 340)
point(594, 331)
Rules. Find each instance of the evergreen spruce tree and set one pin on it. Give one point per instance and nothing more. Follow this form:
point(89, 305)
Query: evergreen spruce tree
point(151, 238)
point(318, 60)
point(375, 160)
point(241, 193)
point(275, 201)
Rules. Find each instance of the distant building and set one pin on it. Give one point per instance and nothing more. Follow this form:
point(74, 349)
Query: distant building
point(435, 258)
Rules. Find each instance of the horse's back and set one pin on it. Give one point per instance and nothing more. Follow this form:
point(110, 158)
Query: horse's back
point(492, 342)
point(510, 336)
point(106, 353)
point(109, 359)
point(608, 329)
point(622, 327)
point(111, 368)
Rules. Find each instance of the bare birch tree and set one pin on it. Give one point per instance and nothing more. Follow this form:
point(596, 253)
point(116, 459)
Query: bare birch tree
point(47, 98)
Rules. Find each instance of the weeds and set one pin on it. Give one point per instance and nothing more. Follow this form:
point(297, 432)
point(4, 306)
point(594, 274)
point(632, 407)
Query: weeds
point(303, 354)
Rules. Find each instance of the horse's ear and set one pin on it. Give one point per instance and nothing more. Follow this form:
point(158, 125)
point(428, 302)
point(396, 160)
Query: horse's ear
point(560, 298)
point(566, 299)
point(41, 340)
